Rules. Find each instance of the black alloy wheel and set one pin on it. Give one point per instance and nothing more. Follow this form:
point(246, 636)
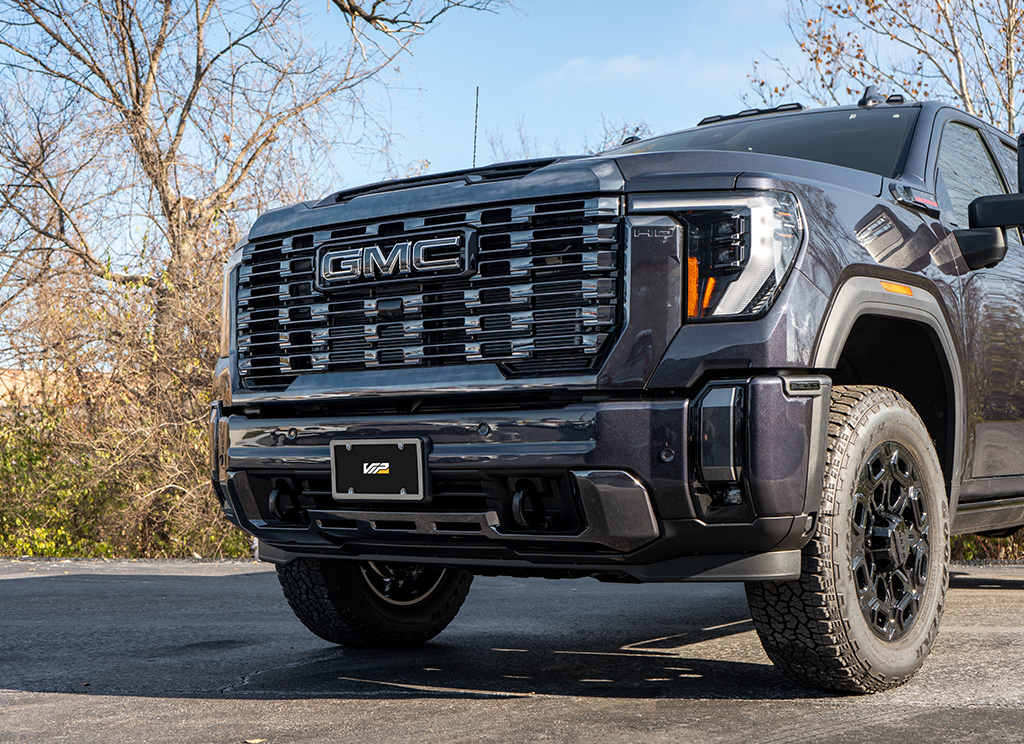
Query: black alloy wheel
point(890, 541)
point(402, 585)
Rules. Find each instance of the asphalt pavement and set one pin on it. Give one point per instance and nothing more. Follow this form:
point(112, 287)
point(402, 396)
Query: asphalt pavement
point(174, 652)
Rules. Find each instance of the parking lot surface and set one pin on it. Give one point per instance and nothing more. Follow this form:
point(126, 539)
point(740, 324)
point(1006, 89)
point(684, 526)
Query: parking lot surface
point(174, 652)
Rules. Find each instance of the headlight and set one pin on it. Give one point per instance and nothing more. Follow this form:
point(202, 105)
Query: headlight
point(227, 303)
point(739, 247)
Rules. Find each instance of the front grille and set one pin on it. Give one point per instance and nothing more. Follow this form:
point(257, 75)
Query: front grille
point(543, 300)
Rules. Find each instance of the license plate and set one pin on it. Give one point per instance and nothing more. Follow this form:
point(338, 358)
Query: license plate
point(388, 469)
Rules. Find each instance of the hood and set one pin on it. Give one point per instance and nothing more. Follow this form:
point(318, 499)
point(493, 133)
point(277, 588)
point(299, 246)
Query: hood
point(526, 179)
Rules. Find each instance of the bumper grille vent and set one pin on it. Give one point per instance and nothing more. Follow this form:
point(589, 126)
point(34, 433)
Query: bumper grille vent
point(543, 298)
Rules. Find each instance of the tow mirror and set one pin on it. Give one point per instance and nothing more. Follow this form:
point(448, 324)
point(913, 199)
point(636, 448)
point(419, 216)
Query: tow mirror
point(984, 244)
point(1001, 210)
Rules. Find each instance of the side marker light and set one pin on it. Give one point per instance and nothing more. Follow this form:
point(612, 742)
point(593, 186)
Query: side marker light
point(902, 289)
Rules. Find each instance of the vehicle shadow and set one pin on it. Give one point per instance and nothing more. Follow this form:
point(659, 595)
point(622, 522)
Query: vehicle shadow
point(234, 637)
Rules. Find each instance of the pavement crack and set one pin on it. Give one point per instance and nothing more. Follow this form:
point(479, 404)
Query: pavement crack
point(463, 691)
point(246, 679)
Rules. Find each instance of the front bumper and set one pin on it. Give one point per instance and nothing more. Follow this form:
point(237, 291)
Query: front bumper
point(624, 486)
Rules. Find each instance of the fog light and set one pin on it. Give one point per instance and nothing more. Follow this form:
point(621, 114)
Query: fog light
point(528, 506)
point(727, 496)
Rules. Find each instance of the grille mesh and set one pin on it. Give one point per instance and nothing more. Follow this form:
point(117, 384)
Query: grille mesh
point(543, 299)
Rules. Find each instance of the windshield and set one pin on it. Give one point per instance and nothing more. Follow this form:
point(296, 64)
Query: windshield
point(872, 140)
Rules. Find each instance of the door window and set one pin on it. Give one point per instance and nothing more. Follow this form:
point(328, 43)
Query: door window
point(1008, 159)
point(966, 171)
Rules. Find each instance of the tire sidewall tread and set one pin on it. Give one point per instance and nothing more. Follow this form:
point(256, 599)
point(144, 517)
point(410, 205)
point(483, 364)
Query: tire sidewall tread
point(333, 600)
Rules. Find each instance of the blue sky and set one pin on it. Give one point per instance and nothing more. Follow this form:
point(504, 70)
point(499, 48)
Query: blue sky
point(558, 66)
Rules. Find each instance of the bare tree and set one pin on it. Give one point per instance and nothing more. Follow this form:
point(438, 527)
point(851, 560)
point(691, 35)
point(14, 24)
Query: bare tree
point(614, 133)
point(403, 19)
point(136, 140)
point(176, 118)
point(966, 51)
point(525, 145)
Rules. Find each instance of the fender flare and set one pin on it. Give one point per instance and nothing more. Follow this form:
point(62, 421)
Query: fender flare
point(861, 296)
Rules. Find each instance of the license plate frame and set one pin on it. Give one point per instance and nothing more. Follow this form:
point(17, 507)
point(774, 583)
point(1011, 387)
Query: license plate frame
point(379, 469)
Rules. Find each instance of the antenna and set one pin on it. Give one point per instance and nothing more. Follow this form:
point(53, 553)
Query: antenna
point(476, 120)
point(871, 97)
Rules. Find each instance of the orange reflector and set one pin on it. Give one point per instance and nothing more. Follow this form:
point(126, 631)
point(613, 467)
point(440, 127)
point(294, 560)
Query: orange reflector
point(692, 287)
point(707, 293)
point(902, 289)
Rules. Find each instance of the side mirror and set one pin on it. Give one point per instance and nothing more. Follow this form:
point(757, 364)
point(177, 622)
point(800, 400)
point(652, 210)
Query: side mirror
point(1002, 210)
point(982, 248)
point(984, 244)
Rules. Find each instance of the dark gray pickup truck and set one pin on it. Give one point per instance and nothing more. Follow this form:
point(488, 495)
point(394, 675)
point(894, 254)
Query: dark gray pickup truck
point(782, 347)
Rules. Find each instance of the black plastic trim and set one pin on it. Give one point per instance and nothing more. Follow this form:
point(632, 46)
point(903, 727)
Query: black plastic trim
point(783, 565)
point(863, 295)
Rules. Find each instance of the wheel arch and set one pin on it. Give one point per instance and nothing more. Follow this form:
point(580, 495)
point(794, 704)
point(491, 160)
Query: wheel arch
point(874, 335)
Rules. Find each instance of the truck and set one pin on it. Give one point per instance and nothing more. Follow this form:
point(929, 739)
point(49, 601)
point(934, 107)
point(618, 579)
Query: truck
point(782, 348)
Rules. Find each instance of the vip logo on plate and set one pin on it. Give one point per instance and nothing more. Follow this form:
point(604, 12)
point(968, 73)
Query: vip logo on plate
point(376, 468)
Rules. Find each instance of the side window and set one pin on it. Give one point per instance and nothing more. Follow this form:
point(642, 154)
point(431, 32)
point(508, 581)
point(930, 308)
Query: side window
point(966, 170)
point(1007, 157)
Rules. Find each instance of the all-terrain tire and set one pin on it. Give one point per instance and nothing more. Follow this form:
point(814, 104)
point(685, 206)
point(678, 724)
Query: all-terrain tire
point(369, 605)
point(865, 612)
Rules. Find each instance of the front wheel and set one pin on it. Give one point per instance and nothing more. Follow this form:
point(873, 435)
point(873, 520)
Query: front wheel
point(364, 604)
point(865, 612)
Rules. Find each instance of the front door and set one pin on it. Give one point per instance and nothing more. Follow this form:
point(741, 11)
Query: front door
point(993, 314)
